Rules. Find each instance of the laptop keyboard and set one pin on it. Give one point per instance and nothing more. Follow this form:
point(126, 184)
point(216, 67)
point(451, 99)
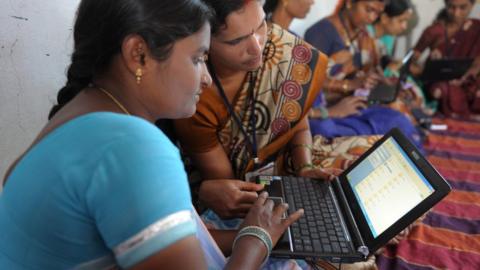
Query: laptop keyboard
point(320, 229)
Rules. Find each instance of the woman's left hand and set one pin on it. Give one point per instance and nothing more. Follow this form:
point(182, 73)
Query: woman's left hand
point(327, 174)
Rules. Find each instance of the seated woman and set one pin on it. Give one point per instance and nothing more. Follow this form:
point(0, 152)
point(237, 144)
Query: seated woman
point(454, 35)
point(282, 12)
point(255, 111)
point(391, 23)
point(354, 64)
point(254, 116)
point(101, 187)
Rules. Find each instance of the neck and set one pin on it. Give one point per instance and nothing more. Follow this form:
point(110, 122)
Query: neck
point(231, 80)
point(120, 91)
point(379, 30)
point(226, 74)
point(455, 24)
point(281, 17)
point(349, 24)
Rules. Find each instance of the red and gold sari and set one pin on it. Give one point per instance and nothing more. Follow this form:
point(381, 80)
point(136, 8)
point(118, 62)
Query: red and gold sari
point(465, 43)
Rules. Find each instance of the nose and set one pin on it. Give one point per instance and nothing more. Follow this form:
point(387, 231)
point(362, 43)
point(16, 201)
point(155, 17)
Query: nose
point(457, 13)
point(205, 79)
point(254, 44)
point(372, 17)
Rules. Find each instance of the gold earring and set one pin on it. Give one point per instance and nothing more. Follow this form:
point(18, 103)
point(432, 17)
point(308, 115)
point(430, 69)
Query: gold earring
point(138, 75)
point(285, 3)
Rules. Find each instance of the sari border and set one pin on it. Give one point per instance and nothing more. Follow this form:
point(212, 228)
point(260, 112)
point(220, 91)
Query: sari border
point(160, 226)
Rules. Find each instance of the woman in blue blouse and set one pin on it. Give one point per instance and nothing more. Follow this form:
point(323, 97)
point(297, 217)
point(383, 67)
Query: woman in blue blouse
point(354, 65)
point(101, 186)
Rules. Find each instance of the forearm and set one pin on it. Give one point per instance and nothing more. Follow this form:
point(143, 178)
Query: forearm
point(301, 145)
point(338, 86)
point(213, 164)
point(224, 240)
point(475, 69)
point(248, 253)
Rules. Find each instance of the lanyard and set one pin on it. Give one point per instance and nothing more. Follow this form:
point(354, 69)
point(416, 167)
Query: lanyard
point(351, 40)
point(252, 140)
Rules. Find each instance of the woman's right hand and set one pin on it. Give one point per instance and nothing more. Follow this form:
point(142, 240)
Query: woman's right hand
point(229, 198)
point(347, 106)
point(266, 215)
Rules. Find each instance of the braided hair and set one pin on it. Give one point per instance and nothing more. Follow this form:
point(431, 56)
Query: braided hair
point(102, 25)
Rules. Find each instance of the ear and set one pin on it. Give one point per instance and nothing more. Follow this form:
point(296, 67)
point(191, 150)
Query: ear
point(135, 53)
point(384, 19)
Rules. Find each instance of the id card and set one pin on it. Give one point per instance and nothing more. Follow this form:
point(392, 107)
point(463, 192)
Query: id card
point(361, 92)
point(265, 170)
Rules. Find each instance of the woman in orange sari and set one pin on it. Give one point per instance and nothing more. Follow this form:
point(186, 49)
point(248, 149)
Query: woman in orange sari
point(255, 112)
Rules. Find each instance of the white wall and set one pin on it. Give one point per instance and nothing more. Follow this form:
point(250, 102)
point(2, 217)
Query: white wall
point(35, 44)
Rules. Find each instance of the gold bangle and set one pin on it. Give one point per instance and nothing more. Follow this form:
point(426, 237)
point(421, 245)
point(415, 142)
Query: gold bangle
point(304, 145)
point(345, 86)
point(303, 166)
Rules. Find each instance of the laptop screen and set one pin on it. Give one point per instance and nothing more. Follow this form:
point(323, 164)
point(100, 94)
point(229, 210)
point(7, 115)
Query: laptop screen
point(387, 185)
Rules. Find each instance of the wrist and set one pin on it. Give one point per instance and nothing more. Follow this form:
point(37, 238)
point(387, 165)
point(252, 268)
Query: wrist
point(302, 145)
point(303, 167)
point(324, 112)
point(257, 236)
point(345, 86)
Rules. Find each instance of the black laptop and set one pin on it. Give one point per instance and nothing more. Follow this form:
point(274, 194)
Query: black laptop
point(348, 219)
point(445, 69)
point(385, 93)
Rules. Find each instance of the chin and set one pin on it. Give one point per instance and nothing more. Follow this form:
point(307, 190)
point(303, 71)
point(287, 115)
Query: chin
point(190, 113)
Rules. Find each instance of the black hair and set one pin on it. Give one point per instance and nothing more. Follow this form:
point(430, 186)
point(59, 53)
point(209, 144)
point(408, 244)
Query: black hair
point(446, 1)
point(397, 7)
point(270, 6)
point(102, 25)
point(443, 14)
point(222, 9)
point(342, 4)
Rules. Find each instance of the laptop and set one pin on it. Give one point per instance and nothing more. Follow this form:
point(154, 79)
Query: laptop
point(385, 93)
point(348, 219)
point(445, 69)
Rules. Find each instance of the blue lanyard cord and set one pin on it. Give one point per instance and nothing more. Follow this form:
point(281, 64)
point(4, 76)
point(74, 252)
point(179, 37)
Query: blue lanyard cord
point(252, 140)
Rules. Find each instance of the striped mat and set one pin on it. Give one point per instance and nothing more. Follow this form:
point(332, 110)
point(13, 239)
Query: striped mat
point(449, 236)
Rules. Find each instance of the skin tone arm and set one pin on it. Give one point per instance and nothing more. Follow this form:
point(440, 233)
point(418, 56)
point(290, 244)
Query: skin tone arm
point(474, 70)
point(248, 252)
point(224, 239)
point(233, 198)
point(226, 196)
point(302, 156)
point(345, 107)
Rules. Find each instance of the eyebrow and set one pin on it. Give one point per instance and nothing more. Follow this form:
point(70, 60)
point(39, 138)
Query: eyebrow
point(245, 36)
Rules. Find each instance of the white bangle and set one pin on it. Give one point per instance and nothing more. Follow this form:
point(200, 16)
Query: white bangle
point(259, 233)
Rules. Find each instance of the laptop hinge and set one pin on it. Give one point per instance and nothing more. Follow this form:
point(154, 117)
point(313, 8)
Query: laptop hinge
point(345, 208)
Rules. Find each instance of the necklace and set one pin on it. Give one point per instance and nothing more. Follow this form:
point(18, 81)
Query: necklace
point(114, 100)
point(350, 38)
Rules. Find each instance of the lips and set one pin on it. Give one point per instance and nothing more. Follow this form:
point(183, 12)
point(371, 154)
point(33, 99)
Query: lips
point(197, 94)
point(254, 61)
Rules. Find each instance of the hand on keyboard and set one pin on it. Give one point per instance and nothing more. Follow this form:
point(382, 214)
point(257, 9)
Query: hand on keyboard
point(266, 215)
point(327, 174)
point(229, 198)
